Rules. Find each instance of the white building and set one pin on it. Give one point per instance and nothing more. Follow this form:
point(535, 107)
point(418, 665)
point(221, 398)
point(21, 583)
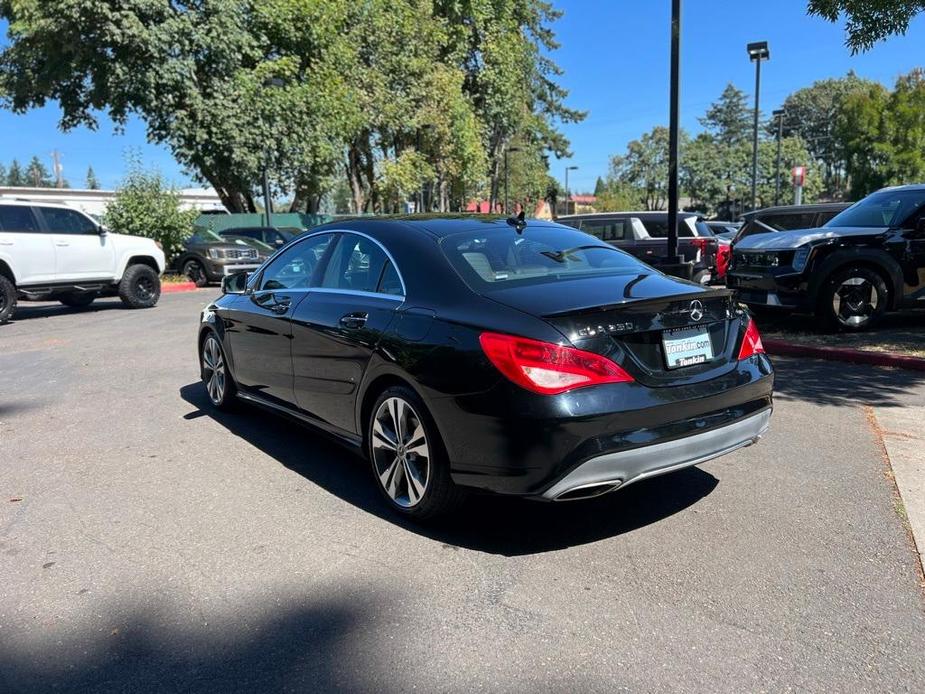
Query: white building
point(94, 202)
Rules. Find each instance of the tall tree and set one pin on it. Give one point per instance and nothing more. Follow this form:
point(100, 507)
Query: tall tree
point(729, 119)
point(868, 21)
point(37, 175)
point(860, 128)
point(91, 182)
point(644, 167)
point(599, 186)
point(15, 177)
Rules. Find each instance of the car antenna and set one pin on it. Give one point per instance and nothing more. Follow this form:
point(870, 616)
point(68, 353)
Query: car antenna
point(518, 222)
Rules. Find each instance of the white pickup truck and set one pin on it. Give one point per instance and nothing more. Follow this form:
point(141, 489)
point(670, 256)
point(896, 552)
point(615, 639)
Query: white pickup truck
point(51, 251)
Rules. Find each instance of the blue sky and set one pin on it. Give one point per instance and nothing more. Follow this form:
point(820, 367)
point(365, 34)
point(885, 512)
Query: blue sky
point(615, 57)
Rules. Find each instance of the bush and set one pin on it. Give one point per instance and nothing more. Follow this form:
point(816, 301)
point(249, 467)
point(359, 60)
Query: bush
point(145, 205)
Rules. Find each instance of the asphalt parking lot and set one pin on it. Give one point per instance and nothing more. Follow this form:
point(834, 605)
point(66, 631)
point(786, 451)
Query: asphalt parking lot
point(149, 543)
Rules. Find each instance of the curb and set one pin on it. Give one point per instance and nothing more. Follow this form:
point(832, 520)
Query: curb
point(175, 287)
point(853, 356)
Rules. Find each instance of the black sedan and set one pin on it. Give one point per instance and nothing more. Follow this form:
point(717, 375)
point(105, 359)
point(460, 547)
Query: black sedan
point(482, 353)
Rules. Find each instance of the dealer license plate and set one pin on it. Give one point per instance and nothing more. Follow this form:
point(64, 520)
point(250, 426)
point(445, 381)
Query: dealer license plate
point(687, 346)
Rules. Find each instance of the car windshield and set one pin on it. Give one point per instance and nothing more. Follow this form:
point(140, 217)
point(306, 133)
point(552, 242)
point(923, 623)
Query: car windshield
point(247, 241)
point(541, 254)
point(205, 236)
point(885, 208)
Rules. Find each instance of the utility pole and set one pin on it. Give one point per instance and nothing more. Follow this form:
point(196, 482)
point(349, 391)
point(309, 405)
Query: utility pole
point(757, 52)
point(673, 128)
point(779, 114)
point(56, 158)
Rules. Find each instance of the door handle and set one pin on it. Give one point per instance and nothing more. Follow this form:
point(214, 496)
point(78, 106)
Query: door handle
point(61, 243)
point(281, 307)
point(6, 243)
point(354, 320)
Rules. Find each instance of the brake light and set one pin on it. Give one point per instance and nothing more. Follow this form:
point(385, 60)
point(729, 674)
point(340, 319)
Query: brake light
point(547, 368)
point(723, 256)
point(700, 243)
point(751, 343)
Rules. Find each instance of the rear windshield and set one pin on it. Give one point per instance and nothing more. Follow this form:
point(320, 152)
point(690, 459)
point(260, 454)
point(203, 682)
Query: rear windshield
point(502, 259)
point(886, 208)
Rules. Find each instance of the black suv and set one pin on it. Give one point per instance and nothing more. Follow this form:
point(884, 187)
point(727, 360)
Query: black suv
point(787, 218)
point(276, 238)
point(867, 260)
point(645, 234)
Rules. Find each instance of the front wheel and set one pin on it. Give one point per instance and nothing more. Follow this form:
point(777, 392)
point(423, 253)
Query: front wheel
point(140, 287)
point(408, 458)
point(214, 371)
point(77, 299)
point(196, 273)
point(7, 299)
point(853, 299)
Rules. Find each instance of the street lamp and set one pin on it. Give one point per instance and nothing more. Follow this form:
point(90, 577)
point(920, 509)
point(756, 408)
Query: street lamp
point(269, 83)
point(674, 110)
point(567, 169)
point(757, 52)
point(779, 115)
point(506, 201)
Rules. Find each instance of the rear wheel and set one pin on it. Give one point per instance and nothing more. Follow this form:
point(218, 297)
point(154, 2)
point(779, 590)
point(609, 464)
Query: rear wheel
point(7, 299)
point(140, 287)
point(196, 272)
point(408, 458)
point(853, 299)
point(214, 370)
point(77, 299)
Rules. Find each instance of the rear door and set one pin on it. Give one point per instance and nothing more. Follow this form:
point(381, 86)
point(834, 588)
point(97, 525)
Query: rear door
point(30, 251)
point(337, 328)
point(81, 252)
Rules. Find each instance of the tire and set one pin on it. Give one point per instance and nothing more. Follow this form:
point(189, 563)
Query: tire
point(7, 299)
point(140, 287)
point(417, 453)
point(196, 272)
point(77, 299)
point(213, 367)
point(855, 299)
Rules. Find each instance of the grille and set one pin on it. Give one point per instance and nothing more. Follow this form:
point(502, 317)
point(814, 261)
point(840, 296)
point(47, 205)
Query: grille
point(743, 259)
point(239, 254)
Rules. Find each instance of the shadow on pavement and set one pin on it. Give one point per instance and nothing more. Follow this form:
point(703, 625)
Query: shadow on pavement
point(838, 383)
point(506, 526)
point(29, 310)
point(309, 648)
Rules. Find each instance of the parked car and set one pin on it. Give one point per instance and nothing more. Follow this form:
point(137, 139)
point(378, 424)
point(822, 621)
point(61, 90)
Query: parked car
point(644, 235)
point(208, 257)
point(55, 252)
point(724, 230)
point(273, 237)
point(787, 218)
point(867, 260)
point(527, 359)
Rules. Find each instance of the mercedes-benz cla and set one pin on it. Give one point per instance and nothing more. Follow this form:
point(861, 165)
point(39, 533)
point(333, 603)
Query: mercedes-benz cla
point(524, 358)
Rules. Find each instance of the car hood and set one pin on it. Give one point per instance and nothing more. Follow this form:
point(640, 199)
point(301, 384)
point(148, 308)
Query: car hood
point(611, 291)
point(784, 240)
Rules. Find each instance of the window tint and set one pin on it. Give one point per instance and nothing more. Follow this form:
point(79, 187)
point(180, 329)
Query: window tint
point(658, 229)
point(356, 264)
point(17, 218)
point(883, 209)
point(61, 221)
point(390, 282)
point(294, 267)
point(541, 255)
point(605, 230)
point(789, 221)
point(249, 233)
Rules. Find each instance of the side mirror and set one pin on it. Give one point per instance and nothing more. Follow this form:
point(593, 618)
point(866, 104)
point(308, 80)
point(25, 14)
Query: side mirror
point(236, 283)
point(101, 230)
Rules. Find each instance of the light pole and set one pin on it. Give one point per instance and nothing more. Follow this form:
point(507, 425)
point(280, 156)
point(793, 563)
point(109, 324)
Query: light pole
point(567, 169)
point(269, 83)
point(673, 129)
point(779, 114)
point(757, 52)
point(506, 201)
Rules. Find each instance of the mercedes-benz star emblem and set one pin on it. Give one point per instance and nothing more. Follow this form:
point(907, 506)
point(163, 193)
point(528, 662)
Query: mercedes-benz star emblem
point(696, 310)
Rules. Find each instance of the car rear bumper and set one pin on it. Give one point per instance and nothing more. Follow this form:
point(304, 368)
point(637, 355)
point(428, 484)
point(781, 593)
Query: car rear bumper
point(510, 441)
point(615, 470)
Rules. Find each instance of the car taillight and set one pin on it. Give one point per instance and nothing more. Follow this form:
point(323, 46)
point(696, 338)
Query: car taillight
point(547, 368)
point(723, 256)
point(751, 343)
point(701, 243)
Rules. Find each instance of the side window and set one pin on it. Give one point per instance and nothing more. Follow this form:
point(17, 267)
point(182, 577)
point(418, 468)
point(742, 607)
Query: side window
point(61, 221)
point(793, 220)
point(356, 265)
point(658, 229)
point(390, 282)
point(294, 268)
point(18, 218)
point(609, 230)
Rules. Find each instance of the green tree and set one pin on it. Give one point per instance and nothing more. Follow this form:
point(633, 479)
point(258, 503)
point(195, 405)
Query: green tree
point(15, 177)
point(145, 205)
point(905, 129)
point(868, 21)
point(729, 119)
point(599, 186)
point(37, 175)
point(644, 168)
point(91, 182)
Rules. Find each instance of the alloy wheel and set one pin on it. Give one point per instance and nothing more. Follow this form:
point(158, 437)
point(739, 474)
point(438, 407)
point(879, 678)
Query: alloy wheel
point(213, 370)
point(401, 455)
point(145, 288)
point(194, 271)
point(855, 301)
